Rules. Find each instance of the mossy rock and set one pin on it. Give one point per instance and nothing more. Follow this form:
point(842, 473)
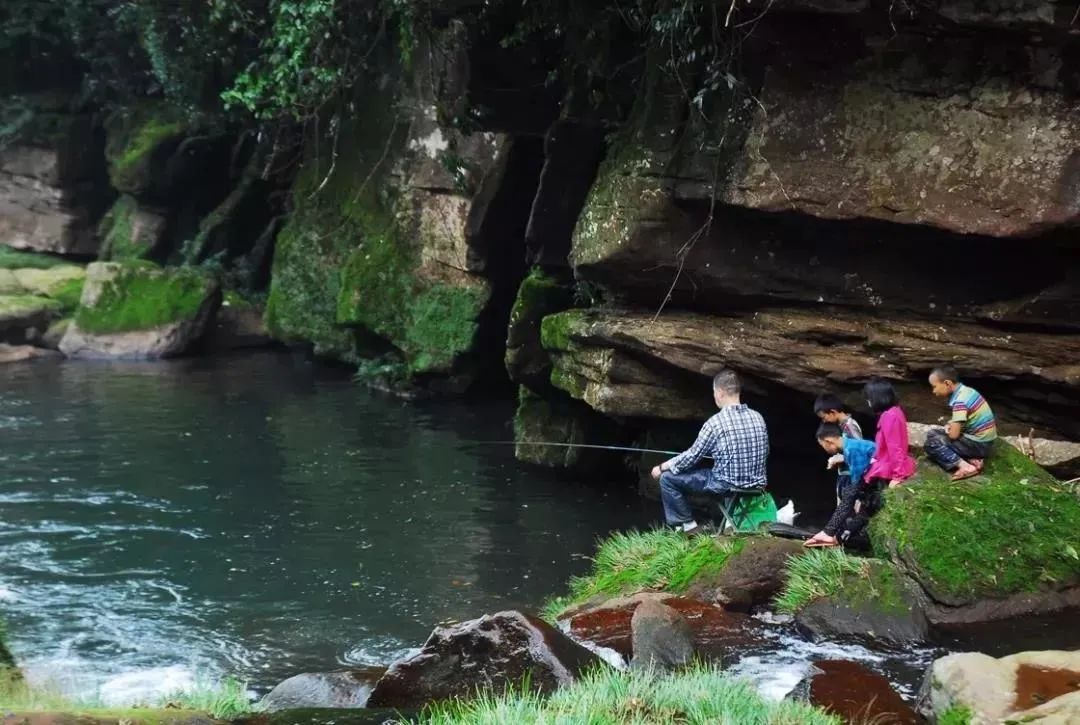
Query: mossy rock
point(1010, 530)
point(129, 231)
point(556, 419)
point(139, 141)
point(877, 604)
point(139, 310)
point(539, 295)
point(22, 315)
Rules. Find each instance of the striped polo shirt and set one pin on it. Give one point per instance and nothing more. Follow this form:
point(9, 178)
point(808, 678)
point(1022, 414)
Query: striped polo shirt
point(973, 413)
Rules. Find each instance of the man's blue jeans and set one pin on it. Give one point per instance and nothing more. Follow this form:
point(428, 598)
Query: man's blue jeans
point(675, 486)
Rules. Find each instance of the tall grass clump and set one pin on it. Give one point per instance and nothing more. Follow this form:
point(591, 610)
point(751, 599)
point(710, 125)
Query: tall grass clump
point(956, 715)
point(697, 695)
point(659, 559)
point(817, 573)
point(225, 699)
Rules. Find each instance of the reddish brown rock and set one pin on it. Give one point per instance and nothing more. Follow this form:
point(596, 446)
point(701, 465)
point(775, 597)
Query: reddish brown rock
point(714, 630)
point(856, 694)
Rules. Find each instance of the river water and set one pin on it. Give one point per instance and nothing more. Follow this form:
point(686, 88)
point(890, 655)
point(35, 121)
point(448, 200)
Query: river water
point(257, 516)
point(260, 516)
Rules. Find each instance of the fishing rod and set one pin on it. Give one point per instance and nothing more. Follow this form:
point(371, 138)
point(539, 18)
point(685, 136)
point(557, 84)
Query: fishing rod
point(580, 445)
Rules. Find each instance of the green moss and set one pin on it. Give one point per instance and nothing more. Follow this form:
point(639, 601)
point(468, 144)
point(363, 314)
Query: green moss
point(442, 325)
point(142, 296)
point(700, 693)
point(538, 295)
point(15, 259)
point(376, 282)
point(1012, 529)
point(133, 137)
point(18, 306)
point(661, 560)
point(119, 237)
point(68, 294)
point(956, 715)
point(556, 330)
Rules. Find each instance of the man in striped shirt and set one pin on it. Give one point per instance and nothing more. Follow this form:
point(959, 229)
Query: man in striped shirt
point(735, 439)
point(965, 442)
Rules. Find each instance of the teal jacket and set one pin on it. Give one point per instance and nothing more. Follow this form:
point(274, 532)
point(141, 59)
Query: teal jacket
point(857, 455)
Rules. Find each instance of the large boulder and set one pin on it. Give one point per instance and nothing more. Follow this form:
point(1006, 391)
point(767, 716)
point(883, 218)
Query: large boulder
point(486, 654)
point(130, 230)
point(47, 168)
point(339, 689)
point(1039, 687)
point(140, 311)
point(661, 637)
point(998, 545)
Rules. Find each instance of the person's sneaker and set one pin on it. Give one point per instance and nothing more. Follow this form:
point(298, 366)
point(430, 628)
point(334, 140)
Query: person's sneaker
point(698, 530)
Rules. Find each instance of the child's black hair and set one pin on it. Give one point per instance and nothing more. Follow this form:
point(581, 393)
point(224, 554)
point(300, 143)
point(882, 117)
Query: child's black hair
point(827, 401)
point(829, 430)
point(946, 372)
point(880, 395)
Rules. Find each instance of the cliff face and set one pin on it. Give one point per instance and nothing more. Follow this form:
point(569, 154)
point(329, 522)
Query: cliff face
point(817, 192)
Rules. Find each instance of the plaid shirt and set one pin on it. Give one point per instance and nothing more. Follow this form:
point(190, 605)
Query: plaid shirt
point(738, 443)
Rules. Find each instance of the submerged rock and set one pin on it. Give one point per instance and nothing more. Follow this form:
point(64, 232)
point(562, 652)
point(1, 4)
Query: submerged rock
point(20, 353)
point(340, 689)
point(855, 694)
point(140, 311)
point(1025, 687)
point(485, 654)
point(610, 623)
point(661, 637)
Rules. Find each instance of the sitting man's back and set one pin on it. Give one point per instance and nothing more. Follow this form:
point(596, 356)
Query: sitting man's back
point(735, 438)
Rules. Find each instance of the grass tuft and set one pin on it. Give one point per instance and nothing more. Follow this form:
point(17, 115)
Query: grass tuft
point(698, 694)
point(817, 573)
point(956, 715)
point(660, 559)
point(225, 699)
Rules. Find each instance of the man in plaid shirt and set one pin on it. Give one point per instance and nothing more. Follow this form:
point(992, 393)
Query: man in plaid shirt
point(736, 440)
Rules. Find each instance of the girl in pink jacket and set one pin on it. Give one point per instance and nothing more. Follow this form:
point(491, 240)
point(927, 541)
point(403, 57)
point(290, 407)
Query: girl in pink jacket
point(892, 463)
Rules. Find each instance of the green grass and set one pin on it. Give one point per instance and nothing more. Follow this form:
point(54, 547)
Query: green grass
point(659, 559)
point(15, 259)
point(817, 573)
point(956, 715)
point(225, 699)
point(697, 695)
point(142, 297)
point(1012, 529)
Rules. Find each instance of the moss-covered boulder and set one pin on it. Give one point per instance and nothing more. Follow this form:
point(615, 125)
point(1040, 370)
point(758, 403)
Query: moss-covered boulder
point(1011, 531)
point(875, 603)
point(140, 311)
point(540, 294)
point(129, 230)
point(140, 141)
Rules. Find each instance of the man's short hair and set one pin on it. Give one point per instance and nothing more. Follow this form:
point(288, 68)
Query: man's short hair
point(727, 381)
point(827, 402)
point(946, 372)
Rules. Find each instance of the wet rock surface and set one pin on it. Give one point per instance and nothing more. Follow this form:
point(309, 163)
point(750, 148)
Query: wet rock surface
point(488, 654)
point(340, 689)
point(752, 577)
point(857, 694)
point(715, 631)
point(661, 638)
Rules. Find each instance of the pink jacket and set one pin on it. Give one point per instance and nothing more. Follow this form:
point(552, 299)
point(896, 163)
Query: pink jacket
point(892, 460)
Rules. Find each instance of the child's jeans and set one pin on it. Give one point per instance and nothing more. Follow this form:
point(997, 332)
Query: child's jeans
point(947, 453)
point(845, 522)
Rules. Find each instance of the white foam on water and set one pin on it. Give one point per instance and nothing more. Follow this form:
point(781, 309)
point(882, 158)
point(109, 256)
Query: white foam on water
point(146, 686)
